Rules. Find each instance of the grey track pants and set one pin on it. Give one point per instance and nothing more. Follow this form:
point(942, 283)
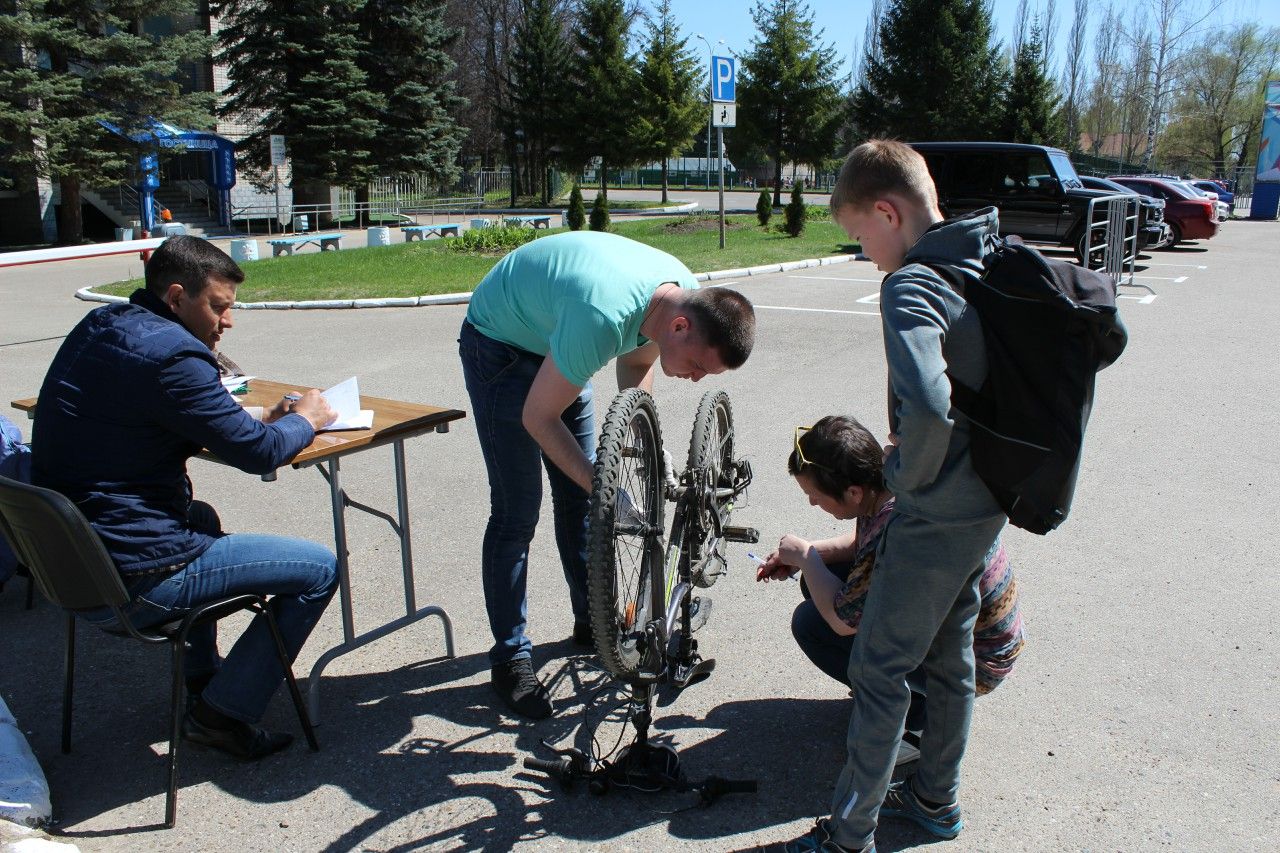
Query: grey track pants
point(920, 610)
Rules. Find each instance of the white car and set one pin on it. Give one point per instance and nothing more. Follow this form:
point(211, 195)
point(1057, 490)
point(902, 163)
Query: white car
point(1224, 209)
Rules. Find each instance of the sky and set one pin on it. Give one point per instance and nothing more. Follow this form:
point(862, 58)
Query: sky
point(845, 21)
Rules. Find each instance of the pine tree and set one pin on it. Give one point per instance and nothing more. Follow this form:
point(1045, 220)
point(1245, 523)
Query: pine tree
point(577, 214)
point(1031, 106)
point(671, 107)
point(937, 74)
point(295, 69)
point(764, 208)
point(603, 117)
point(795, 212)
point(405, 53)
point(600, 213)
point(789, 102)
point(72, 65)
point(540, 68)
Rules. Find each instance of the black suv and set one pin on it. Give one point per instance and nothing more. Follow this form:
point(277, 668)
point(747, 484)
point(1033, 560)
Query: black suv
point(1036, 188)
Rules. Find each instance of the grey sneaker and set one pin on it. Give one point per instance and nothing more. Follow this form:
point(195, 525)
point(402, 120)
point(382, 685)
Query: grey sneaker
point(818, 840)
point(901, 801)
point(518, 686)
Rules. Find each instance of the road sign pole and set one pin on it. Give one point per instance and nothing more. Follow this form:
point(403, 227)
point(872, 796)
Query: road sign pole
point(720, 150)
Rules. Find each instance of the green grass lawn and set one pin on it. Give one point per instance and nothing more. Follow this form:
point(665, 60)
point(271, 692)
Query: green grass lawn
point(422, 268)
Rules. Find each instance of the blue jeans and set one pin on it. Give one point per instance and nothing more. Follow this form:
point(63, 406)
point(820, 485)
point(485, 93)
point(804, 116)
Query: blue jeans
point(498, 378)
point(299, 576)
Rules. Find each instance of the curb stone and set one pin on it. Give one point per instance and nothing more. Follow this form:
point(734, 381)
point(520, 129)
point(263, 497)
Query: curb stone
point(24, 793)
point(87, 294)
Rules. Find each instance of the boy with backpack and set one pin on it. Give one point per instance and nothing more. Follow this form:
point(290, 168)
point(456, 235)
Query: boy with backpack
point(923, 600)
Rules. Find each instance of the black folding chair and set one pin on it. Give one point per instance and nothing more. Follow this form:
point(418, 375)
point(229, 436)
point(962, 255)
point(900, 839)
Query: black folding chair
point(73, 570)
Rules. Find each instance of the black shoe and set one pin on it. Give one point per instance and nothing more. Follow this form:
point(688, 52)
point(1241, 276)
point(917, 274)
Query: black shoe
point(582, 635)
point(518, 685)
point(241, 740)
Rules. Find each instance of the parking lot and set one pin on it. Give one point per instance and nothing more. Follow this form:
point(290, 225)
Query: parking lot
point(1140, 717)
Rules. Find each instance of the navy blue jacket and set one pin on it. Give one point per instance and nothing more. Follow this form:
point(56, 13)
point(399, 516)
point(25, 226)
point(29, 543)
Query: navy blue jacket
point(129, 398)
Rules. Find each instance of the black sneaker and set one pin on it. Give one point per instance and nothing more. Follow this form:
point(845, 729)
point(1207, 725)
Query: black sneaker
point(517, 684)
point(901, 801)
point(239, 740)
point(582, 635)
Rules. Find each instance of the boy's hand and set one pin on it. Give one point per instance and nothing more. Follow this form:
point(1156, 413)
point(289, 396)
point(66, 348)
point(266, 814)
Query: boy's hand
point(773, 569)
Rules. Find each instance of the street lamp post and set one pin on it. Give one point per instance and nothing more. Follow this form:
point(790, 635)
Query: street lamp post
point(710, 54)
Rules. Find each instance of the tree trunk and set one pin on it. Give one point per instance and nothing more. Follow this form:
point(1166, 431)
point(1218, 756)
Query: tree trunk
point(604, 180)
point(665, 165)
point(362, 205)
point(70, 220)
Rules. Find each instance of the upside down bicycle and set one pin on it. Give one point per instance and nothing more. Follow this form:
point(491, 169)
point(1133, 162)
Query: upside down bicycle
point(641, 584)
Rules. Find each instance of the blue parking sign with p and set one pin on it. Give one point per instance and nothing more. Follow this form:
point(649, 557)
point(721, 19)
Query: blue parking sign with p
point(722, 78)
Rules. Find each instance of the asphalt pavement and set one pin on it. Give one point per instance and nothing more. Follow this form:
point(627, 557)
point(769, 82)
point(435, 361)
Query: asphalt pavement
point(1140, 717)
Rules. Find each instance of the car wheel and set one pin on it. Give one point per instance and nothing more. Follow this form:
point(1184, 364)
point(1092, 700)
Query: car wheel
point(1175, 235)
point(1098, 259)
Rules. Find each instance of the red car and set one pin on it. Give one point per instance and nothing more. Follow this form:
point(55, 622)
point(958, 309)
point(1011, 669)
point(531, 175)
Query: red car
point(1190, 217)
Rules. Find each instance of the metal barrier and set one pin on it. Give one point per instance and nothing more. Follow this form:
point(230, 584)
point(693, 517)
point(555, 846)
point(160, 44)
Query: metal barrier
point(1110, 242)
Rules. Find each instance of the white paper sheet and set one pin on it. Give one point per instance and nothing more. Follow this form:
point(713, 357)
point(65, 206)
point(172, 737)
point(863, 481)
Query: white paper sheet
point(344, 398)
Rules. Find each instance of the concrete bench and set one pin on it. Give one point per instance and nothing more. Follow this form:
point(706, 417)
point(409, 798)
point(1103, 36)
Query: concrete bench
point(536, 221)
point(286, 245)
point(420, 232)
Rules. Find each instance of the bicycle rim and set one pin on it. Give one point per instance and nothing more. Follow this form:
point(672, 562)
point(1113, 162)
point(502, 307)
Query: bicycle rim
point(624, 568)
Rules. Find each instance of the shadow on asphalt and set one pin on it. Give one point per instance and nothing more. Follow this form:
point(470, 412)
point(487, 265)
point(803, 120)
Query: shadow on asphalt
point(374, 749)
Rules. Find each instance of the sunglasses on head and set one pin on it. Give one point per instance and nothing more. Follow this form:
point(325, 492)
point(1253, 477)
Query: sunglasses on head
point(800, 430)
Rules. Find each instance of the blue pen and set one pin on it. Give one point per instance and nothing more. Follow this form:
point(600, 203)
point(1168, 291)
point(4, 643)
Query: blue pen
point(762, 561)
point(293, 398)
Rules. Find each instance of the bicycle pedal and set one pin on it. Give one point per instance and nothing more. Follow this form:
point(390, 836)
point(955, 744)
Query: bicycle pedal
point(699, 611)
point(699, 672)
point(741, 534)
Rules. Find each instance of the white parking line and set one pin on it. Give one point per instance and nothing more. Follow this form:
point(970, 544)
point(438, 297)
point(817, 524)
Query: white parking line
point(837, 278)
point(1175, 280)
point(873, 299)
point(1158, 264)
point(819, 310)
point(1141, 300)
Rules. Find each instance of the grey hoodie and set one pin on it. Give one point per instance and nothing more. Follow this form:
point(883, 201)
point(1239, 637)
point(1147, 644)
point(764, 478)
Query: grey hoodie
point(929, 329)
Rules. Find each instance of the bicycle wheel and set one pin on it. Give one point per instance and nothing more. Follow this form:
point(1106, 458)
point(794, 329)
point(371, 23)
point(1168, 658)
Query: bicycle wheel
point(711, 448)
point(624, 554)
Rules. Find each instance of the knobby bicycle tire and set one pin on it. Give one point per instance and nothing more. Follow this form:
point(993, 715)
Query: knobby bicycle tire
point(711, 446)
point(624, 570)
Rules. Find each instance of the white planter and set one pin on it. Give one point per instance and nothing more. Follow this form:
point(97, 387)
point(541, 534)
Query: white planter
point(244, 250)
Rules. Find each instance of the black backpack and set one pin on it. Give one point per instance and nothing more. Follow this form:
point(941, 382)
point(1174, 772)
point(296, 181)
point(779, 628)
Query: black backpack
point(1049, 326)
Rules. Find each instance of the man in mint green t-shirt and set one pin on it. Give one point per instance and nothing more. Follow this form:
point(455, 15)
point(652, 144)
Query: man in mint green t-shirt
point(540, 325)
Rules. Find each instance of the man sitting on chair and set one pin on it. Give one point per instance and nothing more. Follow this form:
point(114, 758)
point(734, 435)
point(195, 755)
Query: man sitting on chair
point(133, 393)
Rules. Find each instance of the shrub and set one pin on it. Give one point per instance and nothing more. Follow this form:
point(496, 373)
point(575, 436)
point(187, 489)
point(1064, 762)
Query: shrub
point(795, 213)
point(600, 214)
point(577, 214)
point(817, 212)
point(764, 207)
point(488, 241)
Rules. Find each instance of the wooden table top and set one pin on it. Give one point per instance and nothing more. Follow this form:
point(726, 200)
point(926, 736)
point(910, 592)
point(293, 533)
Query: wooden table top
point(392, 420)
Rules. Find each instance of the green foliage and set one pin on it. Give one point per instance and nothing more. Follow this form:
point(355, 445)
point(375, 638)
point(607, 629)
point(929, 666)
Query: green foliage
point(407, 58)
point(603, 116)
point(577, 215)
point(789, 103)
point(488, 241)
point(71, 65)
point(671, 108)
point(355, 86)
point(541, 67)
point(934, 73)
point(600, 213)
point(1031, 106)
point(814, 212)
point(764, 208)
point(795, 213)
